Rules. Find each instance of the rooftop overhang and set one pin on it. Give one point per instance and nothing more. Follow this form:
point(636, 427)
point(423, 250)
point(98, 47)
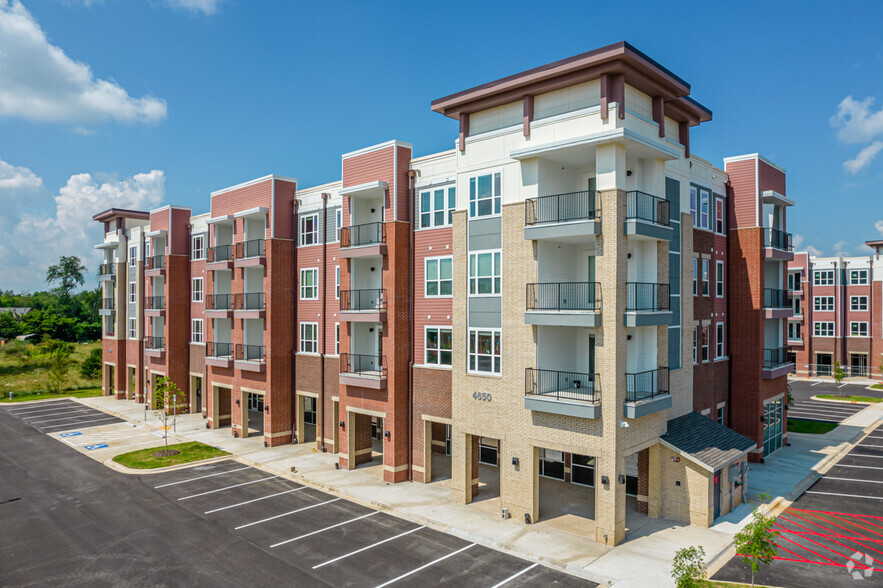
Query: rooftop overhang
point(258, 211)
point(366, 189)
point(581, 149)
point(108, 244)
point(220, 220)
point(637, 69)
point(773, 197)
point(160, 233)
point(115, 213)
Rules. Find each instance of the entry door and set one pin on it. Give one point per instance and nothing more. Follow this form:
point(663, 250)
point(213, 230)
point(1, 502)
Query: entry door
point(823, 364)
point(858, 364)
point(487, 451)
point(717, 494)
point(310, 410)
point(582, 470)
point(447, 439)
point(552, 464)
point(379, 347)
point(198, 386)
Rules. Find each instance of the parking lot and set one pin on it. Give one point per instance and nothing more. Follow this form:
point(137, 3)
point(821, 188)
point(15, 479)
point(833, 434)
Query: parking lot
point(822, 410)
point(55, 416)
point(833, 534)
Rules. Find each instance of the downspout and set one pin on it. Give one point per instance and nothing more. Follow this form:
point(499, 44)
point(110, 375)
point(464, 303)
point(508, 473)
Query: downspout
point(294, 277)
point(412, 180)
point(321, 409)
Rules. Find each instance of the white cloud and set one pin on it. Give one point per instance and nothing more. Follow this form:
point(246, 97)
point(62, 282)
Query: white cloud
point(813, 251)
point(840, 247)
point(797, 241)
point(18, 178)
point(864, 158)
point(38, 82)
point(856, 121)
point(864, 250)
point(203, 6)
point(879, 226)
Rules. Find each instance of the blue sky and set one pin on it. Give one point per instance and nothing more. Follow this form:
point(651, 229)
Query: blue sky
point(139, 103)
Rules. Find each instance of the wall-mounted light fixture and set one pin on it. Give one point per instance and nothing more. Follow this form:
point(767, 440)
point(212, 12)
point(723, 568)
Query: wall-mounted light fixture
point(267, 408)
point(622, 478)
point(386, 434)
point(515, 461)
point(341, 424)
point(237, 402)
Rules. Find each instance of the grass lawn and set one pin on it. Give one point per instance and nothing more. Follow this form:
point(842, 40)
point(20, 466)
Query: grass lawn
point(814, 427)
point(877, 386)
point(47, 396)
point(21, 373)
point(868, 399)
point(192, 451)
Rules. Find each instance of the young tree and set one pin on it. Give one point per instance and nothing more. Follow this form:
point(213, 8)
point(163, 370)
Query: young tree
point(59, 359)
point(688, 567)
point(68, 273)
point(167, 398)
point(91, 368)
point(839, 376)
point(756, 543)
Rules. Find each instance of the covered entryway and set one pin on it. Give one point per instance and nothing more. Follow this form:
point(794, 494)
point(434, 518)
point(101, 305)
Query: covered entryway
point(131, 381)
point(195, 394)
point(222, 402)
point(252, 413)
point(306, 417)
point(487, 486)
point(824, 364)
point(109, 373)
point(567, 491)
point(858, 365)
point(364, 434)
point(436, 451)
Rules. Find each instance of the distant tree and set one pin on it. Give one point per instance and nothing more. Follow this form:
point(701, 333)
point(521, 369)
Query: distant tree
point(50, 324)
point(10, 326)
point(688, 567)
point(91, 368)
point(756, 542)
point(58, 354)
point(66, 275)
point(839, 376)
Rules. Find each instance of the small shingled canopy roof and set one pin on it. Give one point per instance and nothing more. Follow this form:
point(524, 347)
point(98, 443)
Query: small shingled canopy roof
point(705, 441)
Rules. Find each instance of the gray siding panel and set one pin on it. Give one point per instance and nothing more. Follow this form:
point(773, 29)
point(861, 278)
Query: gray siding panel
point(485, 233)
point(486, 312)
point(331, 229)
point(673, 195)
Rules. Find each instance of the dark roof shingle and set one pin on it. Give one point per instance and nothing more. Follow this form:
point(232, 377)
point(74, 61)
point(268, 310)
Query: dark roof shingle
point(705, 440)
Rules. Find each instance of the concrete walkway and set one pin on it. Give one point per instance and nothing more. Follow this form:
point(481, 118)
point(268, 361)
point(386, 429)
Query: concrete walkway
point(643, 560)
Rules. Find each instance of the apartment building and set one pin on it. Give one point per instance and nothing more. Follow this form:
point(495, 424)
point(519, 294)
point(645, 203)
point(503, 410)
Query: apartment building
point(837, 314)
point(550, 315)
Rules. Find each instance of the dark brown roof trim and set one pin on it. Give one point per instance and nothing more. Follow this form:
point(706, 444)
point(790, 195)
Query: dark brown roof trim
point(112, 213)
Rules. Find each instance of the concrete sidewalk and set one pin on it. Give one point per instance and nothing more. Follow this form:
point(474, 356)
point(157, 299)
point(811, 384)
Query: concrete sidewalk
point(644, 559)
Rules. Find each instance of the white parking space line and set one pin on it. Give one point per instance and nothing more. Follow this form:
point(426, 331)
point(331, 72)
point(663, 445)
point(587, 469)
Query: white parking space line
point(285, 514)
point(78, 423)
point(854, 480)
point(874, 437)
point(331, 561)
point(863, 455)
point(840, 465)
point(423, 567)
point(846, 495)
point(51, 413)
point(510, 578)
point(819, 410)
point(815, 384)
point(64, 418)
point(228, 487)
point(255, 500)
point(370, 514)
point(201, 477)
point(42, 406)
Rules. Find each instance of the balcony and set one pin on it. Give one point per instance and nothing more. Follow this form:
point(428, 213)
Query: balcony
point(106, 272)
point(154, 347)
point(108, 306)
point(571, 217)
point(367, 240)
point(776, 363)
point(647, 216)
point(777, 244)
point(249, 305)
point(249, 253)
point(565, 393)
point(155, 266)
point(777, 304)
point(647, 304)
point(646, 392)
point(219, 306)
point(219, 354)
point(365, 306)
point(563, 304)
point(365, 371)
point(154, 305)
point(251, 358)
point(219, 257)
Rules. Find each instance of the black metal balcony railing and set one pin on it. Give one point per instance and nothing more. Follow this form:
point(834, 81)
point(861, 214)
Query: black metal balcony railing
point(156, 262)
point(155, 303)
point(219, 302)
point(157, 343)
point(219, 253)
point(252, 248)
point(107, 304)
point(564, 296)
point(363, 365)
point(646, 296)
point(107, 269)
point(562, 385)
point(363, 299)
point(646, 207)
point(644, 385)
point(773, 358)
point(215, 349)
point(561, 208)
point(775, 298)
point(248, 301)
point(777, 239)
point(359, 235)
point(252, 353)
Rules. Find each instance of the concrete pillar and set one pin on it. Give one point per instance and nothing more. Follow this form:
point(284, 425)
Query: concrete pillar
point(654, 481)
point(299, 419)
point(361, 437)
point(427, 452)
point(643, 479)
point(473, 469)
point(350, 440)
point(461, 467)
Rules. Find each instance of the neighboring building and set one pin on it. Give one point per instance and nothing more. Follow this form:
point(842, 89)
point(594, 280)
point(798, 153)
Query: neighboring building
point(837, 314)
point(549, 309)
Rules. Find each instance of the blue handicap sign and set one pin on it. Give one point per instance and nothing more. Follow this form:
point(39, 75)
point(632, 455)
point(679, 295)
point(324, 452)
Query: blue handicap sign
point(99, 446)
point(71, 434)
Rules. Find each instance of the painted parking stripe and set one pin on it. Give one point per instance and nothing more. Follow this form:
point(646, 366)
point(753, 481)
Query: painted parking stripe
point(855, 480)
point(510, 578)
point(874, 437)
point(78, 423)
point(336, 559)
point(370, 514)
point(846, 495)
point(811, 410)
point(46, 413)
point(255, 500)
point(202, 477)
point(816, 383)
point(42, 406)
point(285, 514)
point(423, 567)
point(863, 455)
point(843, 465)
point(64, 418)
point(228, 487)
point(829, 405)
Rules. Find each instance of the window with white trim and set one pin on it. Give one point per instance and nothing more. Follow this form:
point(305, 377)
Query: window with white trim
point(338, 223)
point(719, 341)
point(337, 283)
point(858, 329)
point(794, 331)
point(823, 303)
point(794, 281)
point(438, 346)
point(705, 343)
point(485, 195)
point(705, 277)
point(133, 325)
point(133, 297)
point(694, 197)
point(858, 277)
point(695, 276)
point(703, 209)
point(858, 303)
point(336, 338)
point(719, 216)
point(196, 290)
point(484, 273)
point(309, 283)
point(196, 331)
point(719, 279)
point(823, 278)
point(695, 345)
point(798, 306)
point(484, 351)
point(309, 229)
point(197, 247)
point(309, 337)
point(720, 415)
point(133, 255)
point(823, 329)
point(437, 207)
point(439, 276)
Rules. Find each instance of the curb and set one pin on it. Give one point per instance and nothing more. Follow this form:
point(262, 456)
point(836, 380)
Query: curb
point(109, 462)
point(838, 401)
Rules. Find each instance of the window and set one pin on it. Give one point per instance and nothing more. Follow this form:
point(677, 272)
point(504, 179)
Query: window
point(484, 195)
point(484, 273)
point(338, 223)
point(133, 325)
point(720, 415)
point(439, 278)
point(309, 229)
point(197, 247)
point(794, 331)
point(336, 338)
point(196, 331)
point(719, 341)
point(772, 426)
point(858, 303)
point(552, 464)
point(132, 293)
point(695, 345)
point(309, 284)
point(695, 276)
point(823, 329)
point(798, 306)
point(719, 215)
point(309, 337)
point(133, 256)
point(197, 290)
point(705, 277)
point(793, 281)
point(705, 343)
point(703, 210)
point(823, 303)
point(823, 278)
point(694, 193)
point(858, 329)
point(337, 283)
point(484, 351)
point(437, 207)
point(719, 279)
point(438, 346)
point(858, 277)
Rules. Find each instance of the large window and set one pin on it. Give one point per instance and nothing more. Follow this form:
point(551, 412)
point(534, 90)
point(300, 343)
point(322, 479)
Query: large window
point(196, 331)
point(719, 215)
point(132, 292)
point(337, 283)
point(823, 278)
point(858, 303)
point(772, 426)
point(196, 290)
point(794, 333)
point(823, 329)
point(858, 277)
point(695, 345)
point(132, 327)
point(338, 223)
point(437, 207)
point(694, 197)
point(309, 229)
point(823, 303)
point(703, 209)
point(719, 341)
point(438, 346)
point(705, 343)
point(309, 284)
point(309, 337)
point(439, 278)
point(705, 277)
point(552, 464)
point(484, 273)
point(719, 279)
point(695, 276)
point(336, 338)
point(794, 281)
point(133, 255)
point(485, 195)
point(858, 329)
point(197, 247)
point(484, 351)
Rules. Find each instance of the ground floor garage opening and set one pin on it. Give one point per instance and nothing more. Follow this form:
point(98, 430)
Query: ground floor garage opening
point(486, 485)
point(131, 382)
point(253, 415)
point(196, 400)
point(436, 452)
point(365, 442)
point(222, 407)
point(109, 373)
point(306, 419)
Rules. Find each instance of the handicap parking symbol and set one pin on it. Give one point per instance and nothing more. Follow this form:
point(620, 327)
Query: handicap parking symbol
point(99, 446)
point(71, 434)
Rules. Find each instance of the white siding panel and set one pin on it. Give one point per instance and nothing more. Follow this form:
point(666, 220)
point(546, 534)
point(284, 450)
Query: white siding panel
point(567, 100)
point(496, 118)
